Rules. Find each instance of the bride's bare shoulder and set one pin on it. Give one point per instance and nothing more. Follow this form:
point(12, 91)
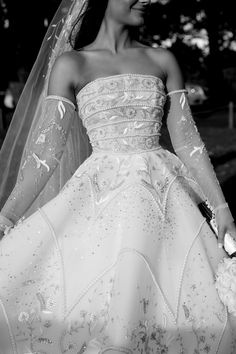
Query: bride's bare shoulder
point(66, 72)
point(166, 56)
point(69, 66)
point(70, 62)
point(161, 54)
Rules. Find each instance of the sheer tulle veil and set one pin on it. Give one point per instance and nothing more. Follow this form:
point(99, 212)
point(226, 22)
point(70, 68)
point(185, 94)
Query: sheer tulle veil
point(28, 113)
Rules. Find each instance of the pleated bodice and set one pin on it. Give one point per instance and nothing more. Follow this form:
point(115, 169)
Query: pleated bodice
point(123, 113)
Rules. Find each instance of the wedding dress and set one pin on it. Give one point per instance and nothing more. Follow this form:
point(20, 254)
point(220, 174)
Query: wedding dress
point(121, 259)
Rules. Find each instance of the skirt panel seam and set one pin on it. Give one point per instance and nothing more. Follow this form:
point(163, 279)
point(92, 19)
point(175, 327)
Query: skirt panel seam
point(52, 231)
point(13, 344)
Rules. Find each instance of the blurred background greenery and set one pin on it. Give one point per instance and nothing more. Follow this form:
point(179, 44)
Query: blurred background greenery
point(201, 33)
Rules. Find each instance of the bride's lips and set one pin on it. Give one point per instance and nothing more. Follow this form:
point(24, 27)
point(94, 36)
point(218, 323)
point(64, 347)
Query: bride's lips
point(141, 10)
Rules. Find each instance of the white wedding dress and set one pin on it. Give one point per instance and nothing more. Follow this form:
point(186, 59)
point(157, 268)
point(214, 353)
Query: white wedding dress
point(121, 260)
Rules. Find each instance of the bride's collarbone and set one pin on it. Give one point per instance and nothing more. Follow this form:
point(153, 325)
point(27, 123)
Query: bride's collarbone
point(99, 67)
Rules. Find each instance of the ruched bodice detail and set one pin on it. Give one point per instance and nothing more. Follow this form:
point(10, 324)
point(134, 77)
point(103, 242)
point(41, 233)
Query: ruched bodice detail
point(123, 113)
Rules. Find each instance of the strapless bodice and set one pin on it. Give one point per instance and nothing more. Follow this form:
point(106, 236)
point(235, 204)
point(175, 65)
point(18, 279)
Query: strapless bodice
point(123, 113)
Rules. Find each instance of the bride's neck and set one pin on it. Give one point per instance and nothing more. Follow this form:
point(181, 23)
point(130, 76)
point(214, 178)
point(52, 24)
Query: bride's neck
point(113, 37)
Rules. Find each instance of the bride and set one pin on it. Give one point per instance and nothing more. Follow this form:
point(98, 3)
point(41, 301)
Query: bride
point(106, 251)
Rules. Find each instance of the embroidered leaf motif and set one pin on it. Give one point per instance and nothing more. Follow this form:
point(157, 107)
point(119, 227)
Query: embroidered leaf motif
point(62, 109)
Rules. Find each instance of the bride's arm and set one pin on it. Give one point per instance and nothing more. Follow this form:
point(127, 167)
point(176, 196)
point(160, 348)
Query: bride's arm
point(47, 144)
point(190, 148)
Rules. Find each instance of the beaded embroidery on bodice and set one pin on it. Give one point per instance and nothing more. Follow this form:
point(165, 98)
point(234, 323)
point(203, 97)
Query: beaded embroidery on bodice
point(123, 113)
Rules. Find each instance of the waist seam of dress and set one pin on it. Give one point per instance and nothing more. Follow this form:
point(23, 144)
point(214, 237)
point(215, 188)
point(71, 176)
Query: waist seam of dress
point(126, 153)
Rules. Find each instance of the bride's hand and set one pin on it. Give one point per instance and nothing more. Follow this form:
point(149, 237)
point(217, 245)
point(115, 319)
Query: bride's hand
point(225, 224)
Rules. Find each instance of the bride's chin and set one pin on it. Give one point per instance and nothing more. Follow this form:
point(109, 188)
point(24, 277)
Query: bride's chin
point(137, 21)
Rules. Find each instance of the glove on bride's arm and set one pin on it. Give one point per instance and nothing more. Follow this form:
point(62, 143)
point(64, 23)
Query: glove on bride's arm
point(190, 148)
point(47, 143)
point(43, 156)
point(187, 142)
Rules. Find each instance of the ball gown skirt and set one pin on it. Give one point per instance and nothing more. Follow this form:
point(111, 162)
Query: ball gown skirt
point(121, 260)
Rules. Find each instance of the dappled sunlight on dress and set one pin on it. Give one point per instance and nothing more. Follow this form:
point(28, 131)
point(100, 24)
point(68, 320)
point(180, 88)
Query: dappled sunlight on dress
point(121, 260)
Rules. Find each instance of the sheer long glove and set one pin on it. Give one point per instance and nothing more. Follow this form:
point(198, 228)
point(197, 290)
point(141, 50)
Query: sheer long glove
point(44, 154)
point(190, 148)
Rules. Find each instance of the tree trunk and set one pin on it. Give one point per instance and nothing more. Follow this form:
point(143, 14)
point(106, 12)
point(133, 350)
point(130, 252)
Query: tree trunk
point(216, 82)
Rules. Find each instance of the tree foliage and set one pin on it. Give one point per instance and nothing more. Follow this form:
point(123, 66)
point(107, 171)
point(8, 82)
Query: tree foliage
point(201, 33)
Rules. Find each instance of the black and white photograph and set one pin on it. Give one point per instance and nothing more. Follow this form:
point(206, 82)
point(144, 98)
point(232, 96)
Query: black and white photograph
point(117, 177)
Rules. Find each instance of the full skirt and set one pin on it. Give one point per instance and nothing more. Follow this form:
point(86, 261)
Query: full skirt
point(120, 261)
